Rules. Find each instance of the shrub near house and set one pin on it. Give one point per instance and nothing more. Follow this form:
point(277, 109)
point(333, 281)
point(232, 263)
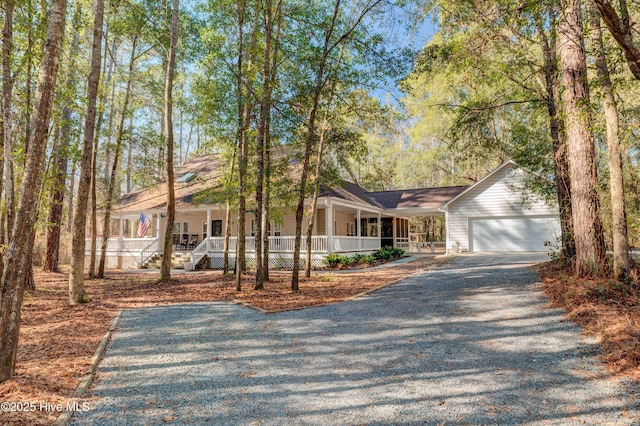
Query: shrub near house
point(384, 254)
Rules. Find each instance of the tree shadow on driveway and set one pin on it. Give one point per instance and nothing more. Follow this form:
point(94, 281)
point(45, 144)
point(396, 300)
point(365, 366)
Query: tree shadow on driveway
point(473, 342)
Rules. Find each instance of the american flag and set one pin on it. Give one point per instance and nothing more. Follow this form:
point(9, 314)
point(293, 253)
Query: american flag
point(143, 224)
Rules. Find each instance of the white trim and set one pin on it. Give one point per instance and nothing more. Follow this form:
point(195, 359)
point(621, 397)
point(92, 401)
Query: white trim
point(447, 234)
point(355, 206)
point(478, 183)
point(329, 225)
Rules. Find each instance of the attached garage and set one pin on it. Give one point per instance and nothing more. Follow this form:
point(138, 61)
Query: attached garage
point(497, 214)
point(513, 233)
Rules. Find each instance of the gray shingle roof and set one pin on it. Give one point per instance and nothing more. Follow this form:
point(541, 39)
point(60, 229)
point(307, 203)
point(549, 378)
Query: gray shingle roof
point(416, 198)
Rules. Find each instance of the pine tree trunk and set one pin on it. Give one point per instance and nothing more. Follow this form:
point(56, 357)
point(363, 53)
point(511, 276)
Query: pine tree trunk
point(267, 148)
point(60, 157)
point(618, 208)
point(77, 293)
point(581, 148)
point(7, 119)
point(116, 158)
point(165, 269)
point(17, 260)
point(241, 147)
point(94, 163)
point(558, 136)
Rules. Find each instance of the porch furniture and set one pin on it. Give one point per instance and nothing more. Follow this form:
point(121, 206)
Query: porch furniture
point(193, 241)
point(184, 242)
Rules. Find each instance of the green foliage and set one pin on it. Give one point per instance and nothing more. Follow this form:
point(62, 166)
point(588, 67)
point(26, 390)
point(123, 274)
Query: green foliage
point(384, 254)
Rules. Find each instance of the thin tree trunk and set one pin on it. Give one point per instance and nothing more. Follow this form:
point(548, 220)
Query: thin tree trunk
point(7, 119)
point(314, 201)
point(618, 209)
point(116, 157)
point(7, 88)
point(227, 219)
point(18, 261)
point(311, 124)
point(320, 81)
point(584, 180)
point(265, 108)
point(94, 160)
point(241, 147)
point(165, 269)
point(77, 293)
point(59, 173)
point(60, 157)
point(71, 198)
point(267, 148)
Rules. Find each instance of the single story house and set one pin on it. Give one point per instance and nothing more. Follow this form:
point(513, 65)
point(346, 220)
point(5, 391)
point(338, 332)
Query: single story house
point(489, 215)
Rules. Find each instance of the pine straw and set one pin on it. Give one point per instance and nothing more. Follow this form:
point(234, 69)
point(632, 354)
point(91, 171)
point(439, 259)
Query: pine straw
point(57, 341)
point(605, 308)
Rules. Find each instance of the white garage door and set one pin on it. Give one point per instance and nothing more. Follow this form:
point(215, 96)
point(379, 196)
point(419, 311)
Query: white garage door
point(513, 233)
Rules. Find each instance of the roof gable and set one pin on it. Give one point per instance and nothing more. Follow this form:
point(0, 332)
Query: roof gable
point(470, 189)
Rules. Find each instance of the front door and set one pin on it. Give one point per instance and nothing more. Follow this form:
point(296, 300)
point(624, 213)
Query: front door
point(216, 228)
point(386, 229)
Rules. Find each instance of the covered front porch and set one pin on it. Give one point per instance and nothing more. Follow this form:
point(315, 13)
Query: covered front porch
point(339, 227)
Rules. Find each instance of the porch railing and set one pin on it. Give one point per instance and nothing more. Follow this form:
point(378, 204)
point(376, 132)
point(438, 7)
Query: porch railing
point(123, 245)
point(147, 252)
point(341, 244)
point(200, 251)
point(285, 244)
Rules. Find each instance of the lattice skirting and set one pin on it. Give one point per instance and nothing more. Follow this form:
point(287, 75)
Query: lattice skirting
point(276, 260)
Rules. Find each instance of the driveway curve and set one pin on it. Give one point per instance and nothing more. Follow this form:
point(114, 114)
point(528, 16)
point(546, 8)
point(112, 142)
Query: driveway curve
point(471, 342)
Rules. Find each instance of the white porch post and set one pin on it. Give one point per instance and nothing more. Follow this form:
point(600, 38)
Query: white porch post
point(446, 230)
point(359, 231)
point(394, 224)
point(121, 242)
point(208, 228)
point(379, 233)
point(158, 225)
point(121, 233)
point(329, 227)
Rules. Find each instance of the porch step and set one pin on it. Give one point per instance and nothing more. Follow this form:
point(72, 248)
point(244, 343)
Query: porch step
point(177, 261)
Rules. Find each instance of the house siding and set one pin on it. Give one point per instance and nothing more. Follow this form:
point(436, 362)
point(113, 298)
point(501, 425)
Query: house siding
point(284, 216)
point(498, 196)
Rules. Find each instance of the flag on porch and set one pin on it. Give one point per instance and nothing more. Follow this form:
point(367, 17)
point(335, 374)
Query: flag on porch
point(143, 224)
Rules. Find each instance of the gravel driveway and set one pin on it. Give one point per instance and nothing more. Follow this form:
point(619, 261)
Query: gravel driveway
point(472, 342)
